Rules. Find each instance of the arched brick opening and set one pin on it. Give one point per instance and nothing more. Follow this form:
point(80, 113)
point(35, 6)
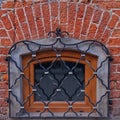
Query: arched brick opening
point(83, 20)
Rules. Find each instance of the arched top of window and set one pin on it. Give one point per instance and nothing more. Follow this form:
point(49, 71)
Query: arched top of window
point(59, 77)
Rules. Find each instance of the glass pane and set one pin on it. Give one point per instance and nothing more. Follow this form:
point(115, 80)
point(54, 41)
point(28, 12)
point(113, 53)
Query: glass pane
point(59, 81)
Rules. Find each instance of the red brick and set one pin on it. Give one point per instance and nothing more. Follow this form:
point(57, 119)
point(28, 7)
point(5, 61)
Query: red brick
point(12, 18)
point(4, 51)
point(105, 36)
point(114, 94)
point(118, 85)
point(6, 22)
point(63, 12)
point(3, 33)
point(113, 21)
point(115, 76)
point(77, 28)
point(37, 12)
point(6, 42)
point(92, 31)
point(46, 16)
point(113, 68)
point(54, 9)
point(97, 16)
point(116, 103)
point(115, 50)
point(8, 4)
point(31, 22)
point(21, 15)
point(118, 68)
point(81, 11)
point(2, 12)
point(112, 85)
point(40, 28)
point(3, 104)
point(55, 23)
point(102, 25)
point(116, 59)
point(3, 68)
point(1, 26)
point(117, 12)
point(114, 42)
point(12, 34)
point(2, 59)
point(109, 5)
point(118, 25)
point(87, 19)
point(19, 32)
point(25, 30)
point(116, 33)
point(3, 94)
point(71, 17)
point(5, 77)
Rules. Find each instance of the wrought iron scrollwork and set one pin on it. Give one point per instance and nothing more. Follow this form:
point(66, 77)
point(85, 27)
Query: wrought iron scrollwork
point(48, 71)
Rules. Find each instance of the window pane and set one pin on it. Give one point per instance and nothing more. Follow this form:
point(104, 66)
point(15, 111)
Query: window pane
point(59, 81)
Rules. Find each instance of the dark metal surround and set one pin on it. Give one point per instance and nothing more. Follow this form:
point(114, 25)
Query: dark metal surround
point(60, 40)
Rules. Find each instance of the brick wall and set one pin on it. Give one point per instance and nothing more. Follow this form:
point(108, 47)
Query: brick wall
point(83, 19)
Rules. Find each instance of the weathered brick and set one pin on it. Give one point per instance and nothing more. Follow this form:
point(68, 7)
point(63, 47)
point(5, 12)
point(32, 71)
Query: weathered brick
point(8, 4)
point(19, 32)
point(3, 104)
point(118, 68)
point(6, 22)
point(5, 77)
point(92, 31)
point(114, 42)
point(3, 33)
point(40, 28)
point(12, 34)
point(117, 12)
point(4, 94)
point(97, 16)
point(25, 30)
point(20, 14)
point(114, 50)
point(63, 12)
point(103, 24)
point(4, 51)
point(1, 26)
point(55, 23)
point(112, 85)
point(46, 16)
point(114, 94)
point(54, 9)
point(116, 33)
point(31, 22)
point(105, 36)
point(77, 28)
point(6, 42)
point(71, 17)
point(115, 76)
point(3, 67)
point(37, 12)
point(81, 11)
point(118, 85)
point(113, 21)
point(116, 59)
point(87, 19)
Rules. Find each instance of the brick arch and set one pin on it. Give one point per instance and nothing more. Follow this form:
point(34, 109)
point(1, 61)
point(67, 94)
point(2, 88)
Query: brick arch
point(82, 21)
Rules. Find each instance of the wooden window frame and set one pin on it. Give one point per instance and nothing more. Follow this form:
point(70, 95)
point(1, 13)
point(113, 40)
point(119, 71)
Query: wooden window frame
point(67, 55)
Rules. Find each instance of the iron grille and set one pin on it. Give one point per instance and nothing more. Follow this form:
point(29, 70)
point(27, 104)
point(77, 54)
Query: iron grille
point(60, 43)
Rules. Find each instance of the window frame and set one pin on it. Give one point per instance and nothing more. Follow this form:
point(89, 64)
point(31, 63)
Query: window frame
point(49, 55)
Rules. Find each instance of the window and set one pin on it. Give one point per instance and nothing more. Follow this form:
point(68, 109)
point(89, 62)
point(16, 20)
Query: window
point(58, 77)
point(59, 82)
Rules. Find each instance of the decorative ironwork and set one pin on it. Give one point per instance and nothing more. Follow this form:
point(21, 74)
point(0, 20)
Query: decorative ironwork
point(48, 70)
